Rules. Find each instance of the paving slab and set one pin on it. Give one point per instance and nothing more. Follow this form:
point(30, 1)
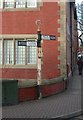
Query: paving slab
point(65, 104)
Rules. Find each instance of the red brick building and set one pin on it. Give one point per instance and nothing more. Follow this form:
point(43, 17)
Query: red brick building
point(72, 37)
point(18, 23)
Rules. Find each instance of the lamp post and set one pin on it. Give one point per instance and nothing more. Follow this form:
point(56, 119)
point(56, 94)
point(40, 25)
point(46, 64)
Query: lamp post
point(39, 59)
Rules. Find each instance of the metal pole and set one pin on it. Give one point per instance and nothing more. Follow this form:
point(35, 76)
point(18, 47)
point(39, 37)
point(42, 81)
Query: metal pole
point(39, 60)
point(39, 74)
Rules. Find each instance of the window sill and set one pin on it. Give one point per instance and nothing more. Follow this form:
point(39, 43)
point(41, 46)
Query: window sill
point(29, 66)
point(20, 9)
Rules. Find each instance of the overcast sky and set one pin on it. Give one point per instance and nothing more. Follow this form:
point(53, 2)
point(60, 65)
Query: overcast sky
point(78, 1)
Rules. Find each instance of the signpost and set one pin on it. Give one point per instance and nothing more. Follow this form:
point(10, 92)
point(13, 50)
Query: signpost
point(38, 44)
point(43, 37)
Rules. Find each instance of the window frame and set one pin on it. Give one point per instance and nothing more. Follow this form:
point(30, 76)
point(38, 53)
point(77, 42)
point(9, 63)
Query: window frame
point(1, 4)
point(1, 62)
point(9, 52)
point(30, 48)
point(19, 4)
point(32, 6)
point(19, 8)
point(4, 2)
point(14, 65)
point(18, 39)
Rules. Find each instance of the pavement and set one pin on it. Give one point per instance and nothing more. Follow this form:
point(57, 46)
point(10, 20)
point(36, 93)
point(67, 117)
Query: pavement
point(67, 104)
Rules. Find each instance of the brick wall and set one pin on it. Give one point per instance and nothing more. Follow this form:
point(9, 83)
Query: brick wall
point(23, 22)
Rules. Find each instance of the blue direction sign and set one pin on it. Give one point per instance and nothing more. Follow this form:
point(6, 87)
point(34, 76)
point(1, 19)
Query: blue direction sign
point(48, 37)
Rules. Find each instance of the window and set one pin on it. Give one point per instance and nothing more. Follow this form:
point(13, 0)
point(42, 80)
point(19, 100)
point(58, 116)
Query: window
point(13, 54)
point(1, 3)
point(31, 3)
point(19, 53)
point(22, 51)
point(20, 3)
point(8, 52)
point(31, 54)
point(9, 4)
point(0, 51)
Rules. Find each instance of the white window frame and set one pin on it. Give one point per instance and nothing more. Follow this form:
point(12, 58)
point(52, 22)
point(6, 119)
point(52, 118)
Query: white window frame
point(32, 64)
point(19, 56)
point(26, 53)
point(0, 51)
point(31, 57)
point(8, 52)
point(9, 3)
point(6, 49)
point(19, 3)
point(31, 4)
point(1, 4)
